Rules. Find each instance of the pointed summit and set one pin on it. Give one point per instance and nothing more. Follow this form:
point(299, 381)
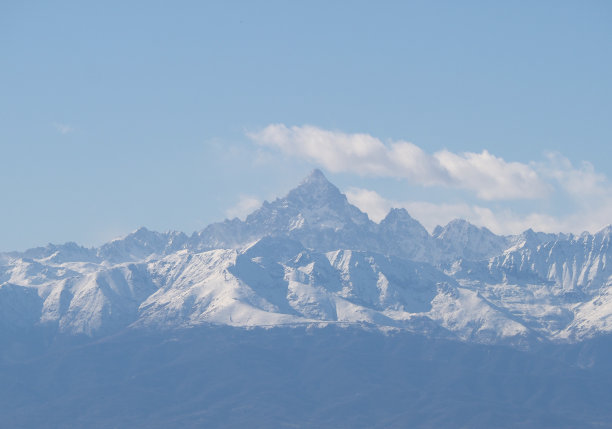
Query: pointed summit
point(404, 235)
point(398, 220)
point(315, 213)
point(315, 176)
point(315, 203)
point(460, 227)
point(464, 240)
point(397, 215)
point(315, 191)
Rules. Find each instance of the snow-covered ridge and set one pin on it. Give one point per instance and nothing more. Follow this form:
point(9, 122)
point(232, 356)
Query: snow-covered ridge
point(312, 258)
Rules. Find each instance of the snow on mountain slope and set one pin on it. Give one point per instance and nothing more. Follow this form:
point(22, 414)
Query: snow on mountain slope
point(461, 239)
point(557, 288)
point(466, 313)
point(312, 258)
point(97, 303)
point(401, 234)
point(573, 267)
point(198, 288)
point(141, 244)
point(275, 281)
point(278, 282)
point(68, 252)
point(592, 317)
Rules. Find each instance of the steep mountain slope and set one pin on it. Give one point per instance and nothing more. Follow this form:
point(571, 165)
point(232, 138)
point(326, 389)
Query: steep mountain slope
point(461, 239)
point(400, 234)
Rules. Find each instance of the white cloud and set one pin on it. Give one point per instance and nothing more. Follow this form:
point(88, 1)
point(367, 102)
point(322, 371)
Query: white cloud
point(587, 190)
point(582, 182)
point(498, 221)
point(371, 202)
point(360, 153)
point(490, 177)
point(62, 128)
point(244, 207)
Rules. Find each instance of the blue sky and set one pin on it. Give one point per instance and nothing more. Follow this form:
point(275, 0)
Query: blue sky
point(115, 115)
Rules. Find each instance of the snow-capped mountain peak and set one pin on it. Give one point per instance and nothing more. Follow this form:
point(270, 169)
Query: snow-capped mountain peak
point(315, 213)
point(311, 257)
point(462, 239)
point(321, 204)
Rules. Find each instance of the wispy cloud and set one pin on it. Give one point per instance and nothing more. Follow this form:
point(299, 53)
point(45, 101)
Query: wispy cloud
point(490, 177)
point(62, 128)
point(582, 182)
point(245, 206)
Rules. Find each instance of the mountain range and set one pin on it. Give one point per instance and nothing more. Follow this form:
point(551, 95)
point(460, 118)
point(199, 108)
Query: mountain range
point(313, 259)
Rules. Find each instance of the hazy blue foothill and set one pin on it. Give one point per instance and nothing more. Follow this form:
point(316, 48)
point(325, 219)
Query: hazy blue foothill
point(324, 378)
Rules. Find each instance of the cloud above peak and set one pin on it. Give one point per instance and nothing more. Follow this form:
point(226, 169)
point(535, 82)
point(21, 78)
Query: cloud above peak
point(488, 176)
point(359, 153)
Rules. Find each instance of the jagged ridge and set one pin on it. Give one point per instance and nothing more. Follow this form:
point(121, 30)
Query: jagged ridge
point(313, 258)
